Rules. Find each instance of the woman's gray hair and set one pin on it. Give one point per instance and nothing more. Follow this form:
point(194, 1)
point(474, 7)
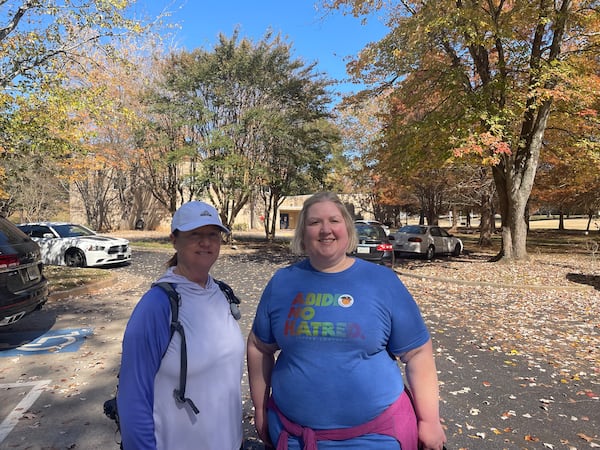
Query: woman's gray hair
point(297, 244)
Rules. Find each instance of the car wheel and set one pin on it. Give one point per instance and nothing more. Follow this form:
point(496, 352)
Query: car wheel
point(75, 258)
point(457, 250)
point(430, 253)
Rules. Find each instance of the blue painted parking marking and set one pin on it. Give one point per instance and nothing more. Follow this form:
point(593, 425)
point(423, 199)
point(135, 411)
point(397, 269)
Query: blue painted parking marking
point(53, 341)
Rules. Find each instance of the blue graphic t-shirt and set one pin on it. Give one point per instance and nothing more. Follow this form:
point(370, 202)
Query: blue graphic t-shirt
point(335, 331)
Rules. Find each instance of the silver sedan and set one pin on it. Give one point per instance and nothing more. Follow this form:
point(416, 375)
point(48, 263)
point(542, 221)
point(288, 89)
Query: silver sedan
point(427, 240)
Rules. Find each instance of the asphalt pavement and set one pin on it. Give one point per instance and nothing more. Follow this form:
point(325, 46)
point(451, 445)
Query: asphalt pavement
point(58, 366)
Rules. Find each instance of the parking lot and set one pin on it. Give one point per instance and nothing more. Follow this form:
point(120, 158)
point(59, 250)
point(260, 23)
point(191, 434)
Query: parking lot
point(53, 388)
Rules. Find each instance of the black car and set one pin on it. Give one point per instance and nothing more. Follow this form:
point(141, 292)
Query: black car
point(23, 287)
point(374, 244)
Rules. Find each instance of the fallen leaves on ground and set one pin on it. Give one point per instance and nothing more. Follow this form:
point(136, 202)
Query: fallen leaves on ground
point(516, 331)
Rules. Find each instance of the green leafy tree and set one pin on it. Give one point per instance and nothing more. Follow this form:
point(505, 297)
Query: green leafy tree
point(248, 113)
point(296, 161)
point(299, 139)
point(29, 157)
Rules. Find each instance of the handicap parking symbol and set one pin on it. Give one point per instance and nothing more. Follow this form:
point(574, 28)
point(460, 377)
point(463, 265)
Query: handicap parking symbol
point(53, 341)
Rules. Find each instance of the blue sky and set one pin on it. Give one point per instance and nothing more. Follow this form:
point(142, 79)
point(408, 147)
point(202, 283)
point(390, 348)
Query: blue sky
point(327, 40)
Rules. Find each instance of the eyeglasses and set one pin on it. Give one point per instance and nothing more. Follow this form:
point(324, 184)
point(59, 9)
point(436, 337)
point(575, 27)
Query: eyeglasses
point(210, 236)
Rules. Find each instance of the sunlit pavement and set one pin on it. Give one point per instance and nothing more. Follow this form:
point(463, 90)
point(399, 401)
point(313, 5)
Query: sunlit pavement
point(491, 398)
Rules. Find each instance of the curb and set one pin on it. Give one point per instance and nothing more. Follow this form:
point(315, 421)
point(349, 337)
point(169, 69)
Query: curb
point(495, 285)
point(85, 289)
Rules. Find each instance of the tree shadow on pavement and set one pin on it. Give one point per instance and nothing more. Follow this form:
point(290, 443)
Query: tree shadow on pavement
point(592, 280)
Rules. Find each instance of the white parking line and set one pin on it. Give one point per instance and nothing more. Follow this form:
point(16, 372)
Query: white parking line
point(11, 420)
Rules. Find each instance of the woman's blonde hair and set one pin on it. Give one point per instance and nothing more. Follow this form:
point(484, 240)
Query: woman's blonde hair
point(297, 244)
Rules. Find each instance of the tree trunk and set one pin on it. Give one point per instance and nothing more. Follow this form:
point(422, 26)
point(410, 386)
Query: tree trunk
point(512, 198)
point(514, 177)
point(272, 201)
point(561, 221)
point(269, 222)
point(486, 222)
point(455, 219)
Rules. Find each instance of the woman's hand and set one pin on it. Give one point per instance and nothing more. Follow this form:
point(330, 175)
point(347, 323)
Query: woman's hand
point(422, 380)
point(261, 424)
point(431, 436)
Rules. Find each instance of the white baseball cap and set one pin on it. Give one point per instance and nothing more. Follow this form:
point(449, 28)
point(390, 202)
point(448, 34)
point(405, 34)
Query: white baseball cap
point(196, 214)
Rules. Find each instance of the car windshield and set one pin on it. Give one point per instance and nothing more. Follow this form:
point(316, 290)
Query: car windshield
point(71, 230)
point(369, 231)
point(10, 235)
point(412, 229)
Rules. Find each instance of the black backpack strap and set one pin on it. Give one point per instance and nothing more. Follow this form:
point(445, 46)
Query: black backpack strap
point(175, 326)
point(175, 301)
point(234, 302)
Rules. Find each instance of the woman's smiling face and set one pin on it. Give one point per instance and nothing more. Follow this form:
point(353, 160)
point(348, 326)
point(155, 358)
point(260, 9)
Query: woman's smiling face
point(326, 236)
point(197, 251)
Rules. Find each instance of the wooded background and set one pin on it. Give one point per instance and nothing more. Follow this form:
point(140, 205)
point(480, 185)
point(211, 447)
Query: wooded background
point(488, 107)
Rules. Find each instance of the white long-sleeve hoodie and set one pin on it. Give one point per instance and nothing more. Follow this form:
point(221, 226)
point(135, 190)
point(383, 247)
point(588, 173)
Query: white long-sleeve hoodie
point(150, 416)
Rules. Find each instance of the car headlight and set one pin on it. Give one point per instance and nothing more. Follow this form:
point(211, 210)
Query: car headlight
point(95, 248)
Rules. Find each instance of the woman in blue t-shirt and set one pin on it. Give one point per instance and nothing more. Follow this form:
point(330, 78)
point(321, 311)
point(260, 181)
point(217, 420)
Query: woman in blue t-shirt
point(340, 324)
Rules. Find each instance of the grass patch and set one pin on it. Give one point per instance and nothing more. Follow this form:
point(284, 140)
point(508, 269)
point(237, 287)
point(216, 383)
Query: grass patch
point(151, 242)
point(539, 241)
point(62, 278)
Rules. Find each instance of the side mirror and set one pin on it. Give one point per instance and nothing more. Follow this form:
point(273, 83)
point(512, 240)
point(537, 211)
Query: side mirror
point(48, 236)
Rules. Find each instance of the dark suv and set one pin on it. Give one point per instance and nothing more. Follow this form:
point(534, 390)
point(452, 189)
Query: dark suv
point(374, 244)
point(23, 287)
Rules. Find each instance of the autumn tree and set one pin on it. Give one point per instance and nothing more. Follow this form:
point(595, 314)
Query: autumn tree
point(405, 145)
point(29, 155)
point(473, 189)
point(417, 158)
point(382, 193)
point(39, 38)
point(569, 171)
point(503, 64)
point(41, 45)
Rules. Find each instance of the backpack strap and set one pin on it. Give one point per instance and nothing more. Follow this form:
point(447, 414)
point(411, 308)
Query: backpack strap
point(176, 326)
point(234, 302)
point(175, 301)
point(110, 406)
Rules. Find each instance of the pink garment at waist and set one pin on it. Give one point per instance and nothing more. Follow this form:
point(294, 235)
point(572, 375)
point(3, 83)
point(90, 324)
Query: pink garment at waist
point(397, 421)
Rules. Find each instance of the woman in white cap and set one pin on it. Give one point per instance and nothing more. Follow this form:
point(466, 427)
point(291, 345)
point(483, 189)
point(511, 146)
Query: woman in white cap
point(206, 411)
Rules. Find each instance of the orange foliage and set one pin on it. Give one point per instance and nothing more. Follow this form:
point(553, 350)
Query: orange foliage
point(487, 146)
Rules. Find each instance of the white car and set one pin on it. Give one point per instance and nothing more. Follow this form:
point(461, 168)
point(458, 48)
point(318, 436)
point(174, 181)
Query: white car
point(427, 240)
point(69, 244)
